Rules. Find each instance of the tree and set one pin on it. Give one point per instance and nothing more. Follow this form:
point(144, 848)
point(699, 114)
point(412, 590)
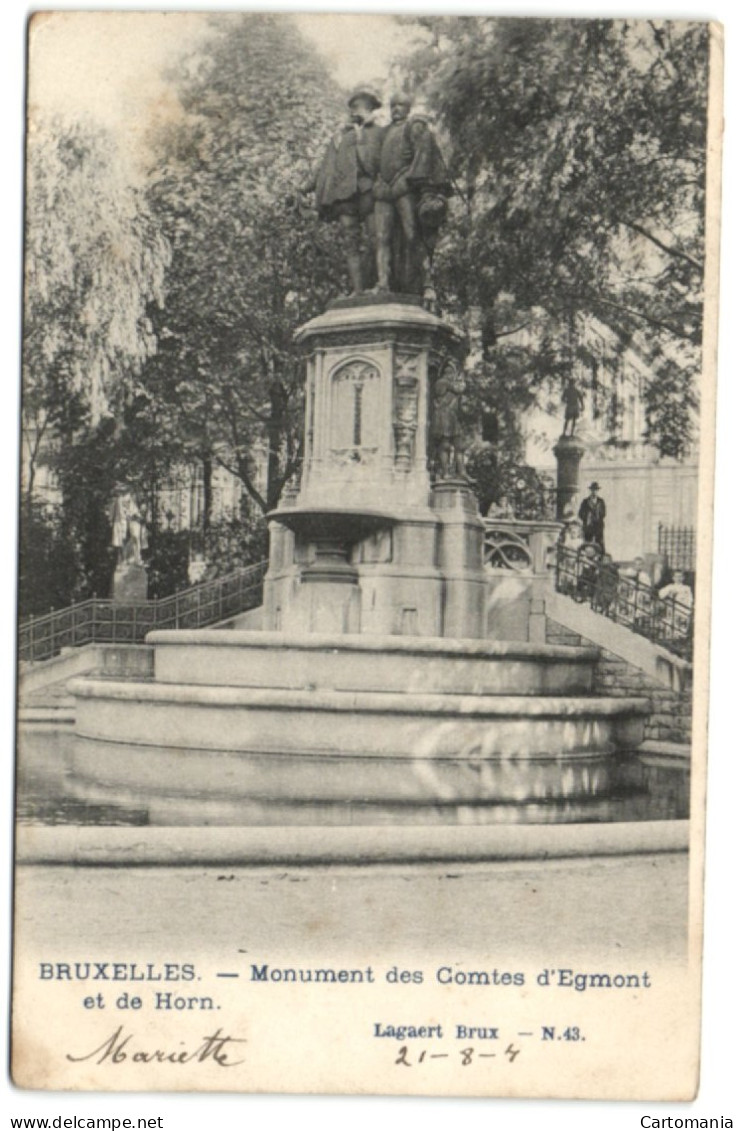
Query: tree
point(578, 154)
point(246, 269)
point(94, 261)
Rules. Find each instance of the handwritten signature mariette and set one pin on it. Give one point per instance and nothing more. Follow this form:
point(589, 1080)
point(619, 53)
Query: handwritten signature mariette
point(121, 1047)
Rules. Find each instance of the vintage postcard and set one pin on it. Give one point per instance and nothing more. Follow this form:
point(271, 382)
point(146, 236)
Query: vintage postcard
point(367, 413)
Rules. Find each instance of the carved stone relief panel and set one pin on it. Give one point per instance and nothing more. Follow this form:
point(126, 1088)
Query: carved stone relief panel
point(355, 412)
point(405, 411)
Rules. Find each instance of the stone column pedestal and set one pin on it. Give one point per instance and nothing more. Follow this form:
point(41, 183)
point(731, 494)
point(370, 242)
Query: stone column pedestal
point(130, 584)
point(460, 558)
point(568, 453)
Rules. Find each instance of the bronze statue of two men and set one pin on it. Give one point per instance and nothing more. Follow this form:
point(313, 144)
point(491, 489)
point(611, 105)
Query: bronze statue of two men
point(387, 187)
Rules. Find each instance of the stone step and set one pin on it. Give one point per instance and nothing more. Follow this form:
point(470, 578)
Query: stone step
point(51, 703)
point(57, 714)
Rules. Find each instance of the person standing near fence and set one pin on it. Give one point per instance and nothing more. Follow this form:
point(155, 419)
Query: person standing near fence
point(605, 586)
point(636, 594)
point(678, 591)
point(678, 598)
point(592, 513)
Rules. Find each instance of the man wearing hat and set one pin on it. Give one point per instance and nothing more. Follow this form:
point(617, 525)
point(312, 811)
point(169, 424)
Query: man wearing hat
point(592, 514)
point(411, 193)
point(343, 185)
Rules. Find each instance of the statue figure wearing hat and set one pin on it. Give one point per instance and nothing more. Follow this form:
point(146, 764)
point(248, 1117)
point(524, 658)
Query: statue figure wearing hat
point(343, 185)
point(573, 399)
point(410, 193)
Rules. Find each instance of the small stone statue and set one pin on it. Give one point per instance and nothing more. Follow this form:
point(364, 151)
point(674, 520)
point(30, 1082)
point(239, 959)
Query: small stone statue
point(446, 429)
point(573, 399)
point(410, 193)
point(128, 533)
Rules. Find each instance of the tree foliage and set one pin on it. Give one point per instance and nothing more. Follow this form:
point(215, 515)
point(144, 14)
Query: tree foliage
point(578, 153)
point(246, 269)
point(159, 320)
point(93, 261)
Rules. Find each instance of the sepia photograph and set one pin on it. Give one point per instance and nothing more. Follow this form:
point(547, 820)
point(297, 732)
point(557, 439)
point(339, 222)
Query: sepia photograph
point(365, 513)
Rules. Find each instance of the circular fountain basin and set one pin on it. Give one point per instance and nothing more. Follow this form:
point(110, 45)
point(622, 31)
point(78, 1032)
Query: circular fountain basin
point(358, 729)
point(86, 801)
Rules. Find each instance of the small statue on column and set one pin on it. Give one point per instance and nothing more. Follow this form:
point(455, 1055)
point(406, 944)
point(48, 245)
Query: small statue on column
point(573, 399)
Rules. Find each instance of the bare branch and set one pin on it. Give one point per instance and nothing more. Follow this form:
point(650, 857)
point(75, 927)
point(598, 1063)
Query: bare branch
point(660, 243)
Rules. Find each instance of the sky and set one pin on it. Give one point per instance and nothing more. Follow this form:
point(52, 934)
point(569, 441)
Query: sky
point(109, 68)
point(109, 65)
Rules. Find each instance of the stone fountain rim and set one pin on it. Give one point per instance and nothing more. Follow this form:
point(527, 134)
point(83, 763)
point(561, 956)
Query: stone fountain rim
point(347, 524)
point(438, 704)
point(310, 846)
point(368, 642)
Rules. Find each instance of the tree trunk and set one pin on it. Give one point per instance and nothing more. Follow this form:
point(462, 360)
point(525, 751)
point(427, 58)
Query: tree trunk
point(208, 493)
point(152, 497)
point(275, 431)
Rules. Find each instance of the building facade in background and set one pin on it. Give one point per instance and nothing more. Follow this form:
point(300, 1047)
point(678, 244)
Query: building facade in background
point(651, 499)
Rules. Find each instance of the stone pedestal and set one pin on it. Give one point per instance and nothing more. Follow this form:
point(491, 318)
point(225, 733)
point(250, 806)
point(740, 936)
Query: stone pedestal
point(369, 370)
point(517, 585)
point(568, 452)
point(460, 559)
point(130, 584)
point(367, 545)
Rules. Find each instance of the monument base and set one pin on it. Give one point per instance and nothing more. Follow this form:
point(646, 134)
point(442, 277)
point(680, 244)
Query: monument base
point(371, 696)
point(419, 574)
point(367, 545)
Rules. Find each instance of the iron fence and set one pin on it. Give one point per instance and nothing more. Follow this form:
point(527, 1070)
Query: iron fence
point(582, 575)
point(677, 546)
point(104, 621)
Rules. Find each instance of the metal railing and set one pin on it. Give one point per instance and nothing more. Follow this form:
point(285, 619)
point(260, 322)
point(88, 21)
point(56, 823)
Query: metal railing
point(104, 621)
point(677, 545)
point(582, 575)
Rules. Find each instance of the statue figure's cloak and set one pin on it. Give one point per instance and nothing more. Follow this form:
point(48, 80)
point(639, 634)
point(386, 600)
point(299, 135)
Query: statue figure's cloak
point(348, 168)
point(411, 161)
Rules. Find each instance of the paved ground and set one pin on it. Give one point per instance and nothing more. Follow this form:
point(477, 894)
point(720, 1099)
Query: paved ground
point(624, 906)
